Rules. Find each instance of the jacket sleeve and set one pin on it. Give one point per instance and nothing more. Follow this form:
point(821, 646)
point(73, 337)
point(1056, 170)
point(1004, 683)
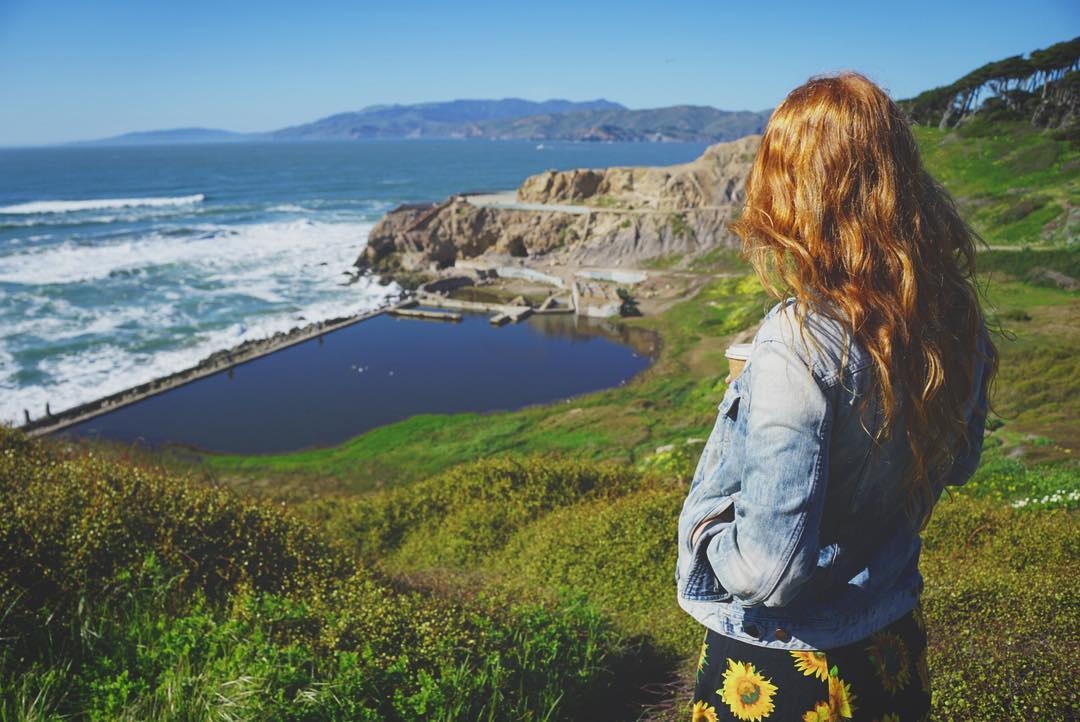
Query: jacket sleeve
point(771, 549)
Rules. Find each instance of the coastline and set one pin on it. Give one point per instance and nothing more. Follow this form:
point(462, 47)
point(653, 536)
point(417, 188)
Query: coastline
point(568, 284)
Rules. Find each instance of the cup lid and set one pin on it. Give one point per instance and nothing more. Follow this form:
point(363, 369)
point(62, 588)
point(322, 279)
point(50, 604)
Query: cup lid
point(739, 351)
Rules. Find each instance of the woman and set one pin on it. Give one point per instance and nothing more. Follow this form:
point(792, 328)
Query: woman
point(864, 395)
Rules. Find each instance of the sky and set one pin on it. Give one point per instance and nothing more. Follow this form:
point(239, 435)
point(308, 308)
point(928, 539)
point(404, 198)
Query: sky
point(73, 69)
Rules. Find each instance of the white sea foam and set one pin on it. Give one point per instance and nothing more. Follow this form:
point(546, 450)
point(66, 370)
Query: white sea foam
point(36, 207)
point(285, 247)
point(255, 279)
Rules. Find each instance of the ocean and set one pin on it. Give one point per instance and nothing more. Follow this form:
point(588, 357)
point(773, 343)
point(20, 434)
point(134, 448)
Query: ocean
point(122, 264)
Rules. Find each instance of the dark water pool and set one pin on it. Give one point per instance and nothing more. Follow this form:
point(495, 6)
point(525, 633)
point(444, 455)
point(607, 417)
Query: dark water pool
point(326, 390)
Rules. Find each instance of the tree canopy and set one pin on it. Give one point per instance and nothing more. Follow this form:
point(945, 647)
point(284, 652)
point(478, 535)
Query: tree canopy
point(1023, 84)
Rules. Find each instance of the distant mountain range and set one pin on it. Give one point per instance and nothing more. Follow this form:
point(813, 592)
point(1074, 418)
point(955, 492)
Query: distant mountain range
point(677, 123)
point(509, 118)
point(455, 119)
point(174, 135)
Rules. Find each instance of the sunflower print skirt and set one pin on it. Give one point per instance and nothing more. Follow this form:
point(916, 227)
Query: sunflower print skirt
point(883, 678)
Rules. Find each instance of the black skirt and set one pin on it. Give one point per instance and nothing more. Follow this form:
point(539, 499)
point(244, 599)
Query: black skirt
point(883, 678)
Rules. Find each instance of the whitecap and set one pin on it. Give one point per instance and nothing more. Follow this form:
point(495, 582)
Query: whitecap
point(277, 248)
point(232, 283)
point(69, 206)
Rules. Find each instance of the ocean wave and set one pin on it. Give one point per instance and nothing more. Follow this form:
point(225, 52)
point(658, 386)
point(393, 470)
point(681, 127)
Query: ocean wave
point(76, 222)
point(41, 207)
point(217, 251)
point(231, 284)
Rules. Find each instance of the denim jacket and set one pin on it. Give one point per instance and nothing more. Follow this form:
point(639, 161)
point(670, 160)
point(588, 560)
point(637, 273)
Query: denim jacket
point(818, 551)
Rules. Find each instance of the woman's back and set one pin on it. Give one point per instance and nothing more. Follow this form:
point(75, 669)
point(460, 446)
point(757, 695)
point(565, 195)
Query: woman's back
point(820, 539)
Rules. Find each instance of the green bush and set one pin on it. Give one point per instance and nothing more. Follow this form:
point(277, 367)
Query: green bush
point(71, 522)
point(551, 595)
point(621, 553)
point(1006, 480)
point(128, 593)
point(471, 509)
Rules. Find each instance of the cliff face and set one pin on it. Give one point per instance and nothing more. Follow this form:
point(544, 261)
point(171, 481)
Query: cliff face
point(621, 216)
point(713, 180)
point(425, 235)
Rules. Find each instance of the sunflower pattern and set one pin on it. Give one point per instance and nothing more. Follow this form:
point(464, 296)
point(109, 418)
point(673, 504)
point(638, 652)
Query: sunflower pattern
point(703, 713)
point(811, 663)
point(746, 692)
point(883, 678)
point(889, 655)
point(820, 713)
point(841, 698)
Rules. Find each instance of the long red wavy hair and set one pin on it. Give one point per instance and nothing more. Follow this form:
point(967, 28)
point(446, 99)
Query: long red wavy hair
point(840, 212)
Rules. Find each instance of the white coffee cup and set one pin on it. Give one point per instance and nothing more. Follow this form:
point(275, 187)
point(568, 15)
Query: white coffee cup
point(737, 355)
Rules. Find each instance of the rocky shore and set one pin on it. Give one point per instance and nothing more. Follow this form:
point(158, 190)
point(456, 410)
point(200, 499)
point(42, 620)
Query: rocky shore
point(615, 217)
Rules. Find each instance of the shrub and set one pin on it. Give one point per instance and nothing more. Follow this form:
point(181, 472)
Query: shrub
point(621, 553)
point(471, 509)
point(132, 594)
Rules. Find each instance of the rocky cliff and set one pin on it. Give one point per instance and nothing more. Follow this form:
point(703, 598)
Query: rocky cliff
point(714, 180)
point(617, 216)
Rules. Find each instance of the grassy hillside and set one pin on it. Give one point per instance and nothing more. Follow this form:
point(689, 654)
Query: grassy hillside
point(519, 565)
point(1016, 185)
point(129, 593)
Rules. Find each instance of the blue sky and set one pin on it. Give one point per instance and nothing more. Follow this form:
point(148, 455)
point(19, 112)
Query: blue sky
point(79, 69)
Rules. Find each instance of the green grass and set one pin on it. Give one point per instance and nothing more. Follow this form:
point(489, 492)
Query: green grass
point(718, 260)
point(129, 593)
point(1013, 183)
point(661, 263)
point(1021, 263)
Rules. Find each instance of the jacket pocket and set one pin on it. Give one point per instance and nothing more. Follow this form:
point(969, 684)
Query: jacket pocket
point(715, 513)
point(700, 582)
